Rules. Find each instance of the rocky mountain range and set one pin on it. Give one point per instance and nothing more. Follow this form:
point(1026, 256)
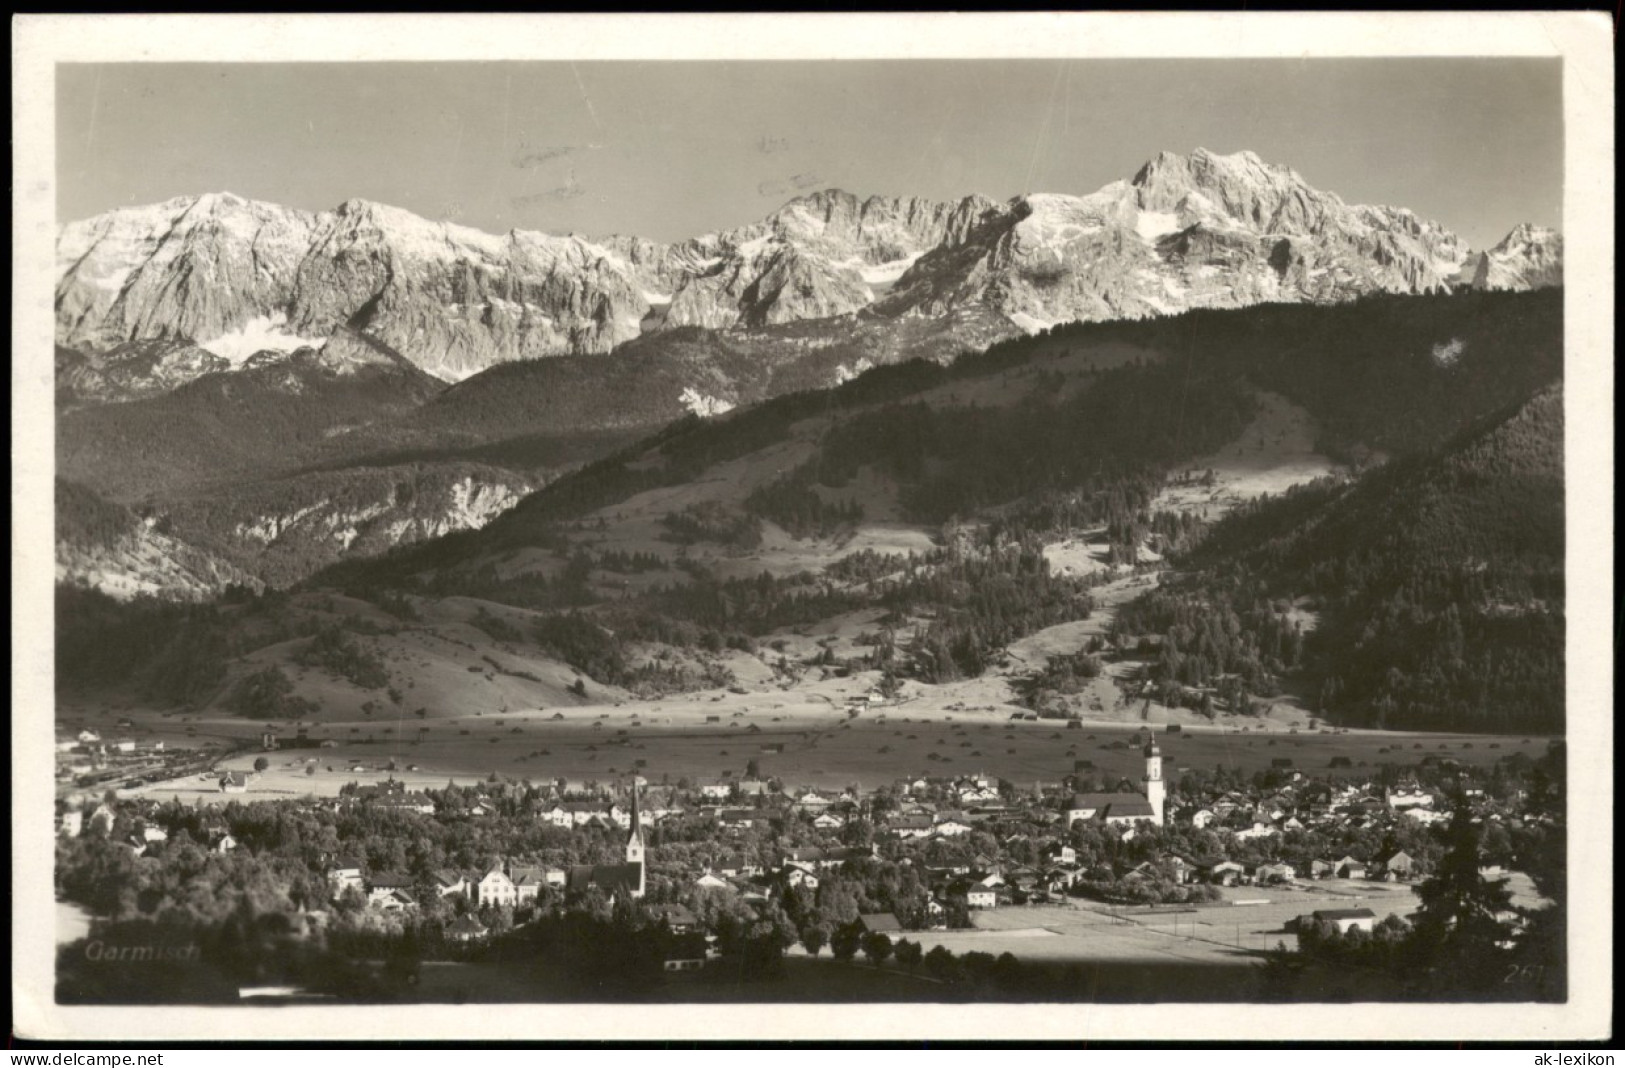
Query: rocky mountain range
point(233, 277)
point(269, 390)
point(1530, 257)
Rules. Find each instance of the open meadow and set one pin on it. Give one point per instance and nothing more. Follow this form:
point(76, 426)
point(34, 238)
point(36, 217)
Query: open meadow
point(806, 738)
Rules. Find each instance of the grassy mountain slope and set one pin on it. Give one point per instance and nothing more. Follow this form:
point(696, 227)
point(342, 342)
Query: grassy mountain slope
point(975, 528)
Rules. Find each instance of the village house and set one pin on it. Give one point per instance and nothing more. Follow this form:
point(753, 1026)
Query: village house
point(679, 919)
point(882, 923)
point(812, 801)
point(1060, 880)
point(527, 884)
point(912, 826)
point(742, 819)
point(466, 929)
point(979, 897)
point(1273, 873)
point(1061, 854)
point(448, 882)
point(1349, 868)
point(1402, 799)
point(738, 864)
point(1258, 830)
point(1397, 865)
point(390, 893)
point(413, 802)
point(344, 873)
point(683, 955)
point(495, 888)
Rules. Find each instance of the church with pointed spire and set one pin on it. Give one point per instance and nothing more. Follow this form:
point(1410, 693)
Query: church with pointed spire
point(634, 844)
point(630, 878)
point(1147, 806)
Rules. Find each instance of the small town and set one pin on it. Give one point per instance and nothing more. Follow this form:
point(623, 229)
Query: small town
point(724, 881)
point(936, 529)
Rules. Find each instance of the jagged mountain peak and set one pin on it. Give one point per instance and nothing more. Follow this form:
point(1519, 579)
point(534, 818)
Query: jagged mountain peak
point(1202, 229)
point(1528, 235)
point(1529, 257)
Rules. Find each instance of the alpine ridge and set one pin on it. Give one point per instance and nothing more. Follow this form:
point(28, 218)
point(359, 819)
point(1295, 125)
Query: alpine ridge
point(224, 277)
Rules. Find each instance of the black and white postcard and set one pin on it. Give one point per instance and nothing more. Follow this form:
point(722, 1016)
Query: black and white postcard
point(812, 526)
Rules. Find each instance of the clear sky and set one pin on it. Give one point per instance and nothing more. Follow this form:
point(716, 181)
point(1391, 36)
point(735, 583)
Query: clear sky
point(671, 150)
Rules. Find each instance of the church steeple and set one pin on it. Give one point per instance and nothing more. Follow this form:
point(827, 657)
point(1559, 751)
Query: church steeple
point(1155, 788)
point(634, 841)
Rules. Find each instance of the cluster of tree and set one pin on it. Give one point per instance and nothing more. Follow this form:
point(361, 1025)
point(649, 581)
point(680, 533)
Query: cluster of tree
point(179, 653)
point(978, 603)
point(1366, 370)
point(793, 503)
point(241, 425)
point(1233, 647)
point(334, 650)
point(1062, 676)
point(1106, 446)
point(1437, 579)
point(1467, 941)
point(268, 694)
point(1159, 888)
point(714, 522)
point(85, 518)
point(168, 651)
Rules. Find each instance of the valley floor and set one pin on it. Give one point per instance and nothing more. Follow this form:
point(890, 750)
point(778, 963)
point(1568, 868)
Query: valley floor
point(803, 737)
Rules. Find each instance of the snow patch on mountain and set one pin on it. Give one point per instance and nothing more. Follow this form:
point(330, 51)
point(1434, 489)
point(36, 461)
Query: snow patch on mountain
point(703, 405)
point(1449, 353)
point(259, 334)
point(843, 373)
point(1151, 225)
point(1030, 324)
point(884, 274)
point(1212, 231)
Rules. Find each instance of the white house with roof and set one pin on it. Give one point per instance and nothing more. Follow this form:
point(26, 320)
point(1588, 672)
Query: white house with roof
point(1402, 799)
point(344, 873)
point(981, 897)
point(495, 888)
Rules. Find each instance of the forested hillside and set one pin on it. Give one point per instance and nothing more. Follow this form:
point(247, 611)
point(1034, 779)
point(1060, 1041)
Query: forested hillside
point(229, 425)
point(1420, 588)
point(1437, 581)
